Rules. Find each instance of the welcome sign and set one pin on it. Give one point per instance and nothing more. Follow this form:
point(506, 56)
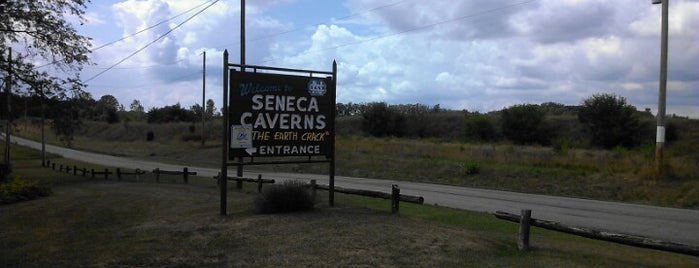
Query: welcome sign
point(280, 115)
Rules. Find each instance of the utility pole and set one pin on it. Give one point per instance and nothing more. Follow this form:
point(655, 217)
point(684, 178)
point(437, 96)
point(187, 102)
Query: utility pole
point(660, 131)
point(8, 85)
point(203, 98)
point(239, 170)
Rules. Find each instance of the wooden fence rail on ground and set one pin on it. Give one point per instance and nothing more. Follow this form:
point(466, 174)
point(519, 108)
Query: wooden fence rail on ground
point(136, 172)
point(185, 174)
point(626, 239)
point(403, 198)
point(394, 196)
point(106, 173)
point(259, 180)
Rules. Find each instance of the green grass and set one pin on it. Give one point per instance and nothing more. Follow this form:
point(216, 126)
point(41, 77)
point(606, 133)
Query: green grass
point(616, 175)
point(90, 222)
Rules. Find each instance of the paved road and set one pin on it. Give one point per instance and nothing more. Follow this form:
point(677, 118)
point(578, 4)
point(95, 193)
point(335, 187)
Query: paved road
point(669, 224)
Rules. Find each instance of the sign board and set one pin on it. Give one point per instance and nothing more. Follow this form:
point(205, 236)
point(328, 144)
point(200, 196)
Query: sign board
point(280, 115)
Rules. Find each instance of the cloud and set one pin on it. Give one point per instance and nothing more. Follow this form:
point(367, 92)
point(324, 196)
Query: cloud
point(475, 55)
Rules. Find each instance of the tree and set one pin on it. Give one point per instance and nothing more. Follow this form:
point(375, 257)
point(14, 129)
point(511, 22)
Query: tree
point(136, 107)
point(210, 109)
point(171, 113)
point(39, 33)
point(479, 127)
point(136, 111)
point(611, 121)
point(381, 120)
point(106, 109)
point(524, 124)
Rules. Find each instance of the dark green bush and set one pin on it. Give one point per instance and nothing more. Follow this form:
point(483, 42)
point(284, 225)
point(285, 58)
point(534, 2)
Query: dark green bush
point(288, 196)
point(611, 121)
point(524, 124)
point(380, 120)
point(17, 190)
point(479, 127)
point(471, 168)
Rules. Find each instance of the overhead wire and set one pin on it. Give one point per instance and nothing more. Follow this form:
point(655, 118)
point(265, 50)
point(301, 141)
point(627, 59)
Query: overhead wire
point(152, 42)
point(133, 34)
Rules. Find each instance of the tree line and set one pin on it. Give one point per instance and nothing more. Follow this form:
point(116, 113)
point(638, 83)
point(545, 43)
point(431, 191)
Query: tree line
point(602, 120)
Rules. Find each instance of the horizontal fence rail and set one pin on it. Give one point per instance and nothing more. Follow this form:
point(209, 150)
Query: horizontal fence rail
point(626, 239)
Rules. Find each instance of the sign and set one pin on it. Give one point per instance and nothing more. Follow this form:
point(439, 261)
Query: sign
point(280, 115)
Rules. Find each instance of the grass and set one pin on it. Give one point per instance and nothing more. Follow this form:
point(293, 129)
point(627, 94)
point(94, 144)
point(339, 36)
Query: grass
point(123, 224)
point(615, 175)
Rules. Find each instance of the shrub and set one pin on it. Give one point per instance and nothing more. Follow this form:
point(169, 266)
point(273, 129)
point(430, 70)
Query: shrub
point(471, 168)
point(17, 189)
point(285, 197)
point(479, 127)
point(611, 121)
point(380, 120)
point(524, 124)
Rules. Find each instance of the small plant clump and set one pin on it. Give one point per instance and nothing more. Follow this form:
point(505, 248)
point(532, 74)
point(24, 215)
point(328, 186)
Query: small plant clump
point(288, 196)
point(17, 189)
point(471, 168)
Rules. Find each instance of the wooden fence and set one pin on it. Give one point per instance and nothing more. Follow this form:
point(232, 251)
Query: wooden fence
point(395, 196)
point(184, 173)
point(120, 174)
point(632, 240)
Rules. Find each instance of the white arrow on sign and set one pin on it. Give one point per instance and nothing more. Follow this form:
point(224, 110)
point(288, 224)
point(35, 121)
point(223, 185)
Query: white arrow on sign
point(251, 151)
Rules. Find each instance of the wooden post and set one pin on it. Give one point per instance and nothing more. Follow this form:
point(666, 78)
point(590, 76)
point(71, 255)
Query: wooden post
point(53, 166)
point(75, 170)
point(524, 222)
point(259, 183)
point(60, 168)
point(106, 174)
point(395, 196)
point(186, 175)
point(239, 183)
point(157, 174)
point(118, 173)
point(48, 163)
point(313, 190)
point(92, 171)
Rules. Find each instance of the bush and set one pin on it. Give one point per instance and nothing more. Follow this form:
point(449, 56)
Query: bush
point(17, 189)
point(611, 121)
point(479, 127)
point(524, 124)
point(380, 120)
point(471, 168)
point(285, 197)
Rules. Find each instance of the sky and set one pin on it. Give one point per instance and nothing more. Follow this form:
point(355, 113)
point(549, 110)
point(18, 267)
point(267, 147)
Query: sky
point(477, 55)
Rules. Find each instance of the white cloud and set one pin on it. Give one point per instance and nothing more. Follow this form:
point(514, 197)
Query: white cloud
point(477, 55)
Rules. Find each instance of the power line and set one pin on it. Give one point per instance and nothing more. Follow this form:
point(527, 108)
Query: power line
point(134, 34)
point(151, 27)
point(152, 42)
